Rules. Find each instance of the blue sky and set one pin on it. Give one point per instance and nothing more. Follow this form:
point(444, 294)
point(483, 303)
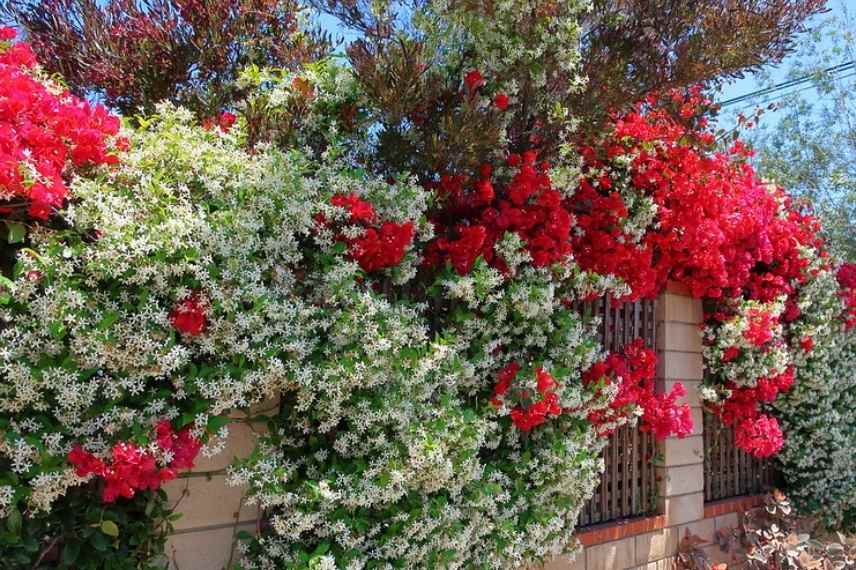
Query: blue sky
point(776, 73)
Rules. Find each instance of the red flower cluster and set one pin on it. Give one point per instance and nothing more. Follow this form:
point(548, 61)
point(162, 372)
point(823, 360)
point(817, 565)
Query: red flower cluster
point(360, 210)
point(189, 316)
point(473, 219)
point(224, 121)
point(846, 276)
point(760, 329)
point(380, 246)
point(720, 230)
point(761, 436)
point(473, 81)
point(742, 410)
point(730, 354)
point(602, 246)
point(500, 100)
point(633, 371)
point(527, 416)
point(43, 136)
point(133, 469)
point(183, 446)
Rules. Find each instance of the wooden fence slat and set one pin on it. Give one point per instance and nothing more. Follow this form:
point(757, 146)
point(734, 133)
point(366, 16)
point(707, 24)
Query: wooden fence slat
point(728, 471)
point(628, 485)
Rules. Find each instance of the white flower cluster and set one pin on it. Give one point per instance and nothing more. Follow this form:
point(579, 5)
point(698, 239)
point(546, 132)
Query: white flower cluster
point(90, 354)
point(531, 54)
point(818, 460)
point(387, 451)
point(730, 352)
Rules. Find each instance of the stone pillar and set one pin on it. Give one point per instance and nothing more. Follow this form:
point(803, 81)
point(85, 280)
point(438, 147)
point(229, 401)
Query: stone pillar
point(680, 469)
point(213, 513)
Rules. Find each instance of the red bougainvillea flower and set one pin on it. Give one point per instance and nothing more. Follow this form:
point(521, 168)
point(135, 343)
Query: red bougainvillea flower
point(731, 353)
point(501, 101)
point(45, 134)
point(525, 418)
point(473, 81)
point(527, 205)
point(223, 121)
point(663, 417)
point(189, 316)
point(719, 229)
point(132, 468)
point(360, 210)
point(761, 437)
point(760, 329)
point(380, 246)
point(183, 445)
point(503, 382)
point(633, 370)
point(528, 414)
point(532, 416)
point(846, 276)
point(742, 410)
point(226, 120)
point(85, 463)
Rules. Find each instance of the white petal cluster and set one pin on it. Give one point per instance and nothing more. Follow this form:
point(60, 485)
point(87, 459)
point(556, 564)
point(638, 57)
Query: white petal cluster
point(818, 460)
point(386, 451)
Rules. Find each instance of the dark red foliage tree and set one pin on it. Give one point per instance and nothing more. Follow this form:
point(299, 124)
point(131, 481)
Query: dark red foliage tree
point(633, 47)
point(628, 47)
point(135, 53)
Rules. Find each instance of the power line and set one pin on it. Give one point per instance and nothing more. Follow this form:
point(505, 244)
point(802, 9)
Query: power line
point(787, 84)
point(795, 91)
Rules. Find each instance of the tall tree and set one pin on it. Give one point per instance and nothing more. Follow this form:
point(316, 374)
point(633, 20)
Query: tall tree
point(567, 62)
point(809, 146)
point(632, 47)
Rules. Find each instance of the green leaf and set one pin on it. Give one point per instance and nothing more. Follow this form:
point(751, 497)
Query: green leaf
point(217, 422)
point(244, 535)
point(14, 521)
point(110, 317)
point(6, 286)
point(99, 542)
point(57, 329)
point(110, 528)
point(70, 553)
point(16, 232)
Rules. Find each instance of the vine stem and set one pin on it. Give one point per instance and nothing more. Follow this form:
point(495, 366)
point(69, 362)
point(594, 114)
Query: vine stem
point(50, 546)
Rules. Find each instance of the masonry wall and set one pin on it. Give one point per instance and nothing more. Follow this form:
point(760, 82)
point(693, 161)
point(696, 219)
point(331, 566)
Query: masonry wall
point(651, 543)
point(214, 513)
